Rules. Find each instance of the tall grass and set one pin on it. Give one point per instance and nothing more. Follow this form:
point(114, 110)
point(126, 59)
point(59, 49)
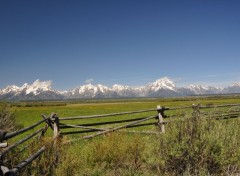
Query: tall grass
point(200, 146)
point(194, 146)
point(115, 154)
point(44, 165)
point(8, 121)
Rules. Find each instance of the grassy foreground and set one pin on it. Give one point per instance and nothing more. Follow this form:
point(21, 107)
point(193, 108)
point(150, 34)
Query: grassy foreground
point(196, 146)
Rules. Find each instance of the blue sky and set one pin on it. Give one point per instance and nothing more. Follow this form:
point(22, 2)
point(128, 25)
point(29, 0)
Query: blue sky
point(130, 42)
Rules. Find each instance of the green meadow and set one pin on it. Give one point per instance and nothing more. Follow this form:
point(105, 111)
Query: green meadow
point(195, 146)
point(29, 112)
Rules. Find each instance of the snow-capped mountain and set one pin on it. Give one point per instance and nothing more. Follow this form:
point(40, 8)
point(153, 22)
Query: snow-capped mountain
point(90, 91)
point(123, 91)
point(201, 90)
point(234, 88)
point(36, 90)
point(164, 87)
point(164, 83)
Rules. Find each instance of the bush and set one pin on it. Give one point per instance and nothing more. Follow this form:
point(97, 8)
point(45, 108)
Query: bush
point(46, 163)
point(7, 119)
point(43, 165)
point(200, 146)
point(115, 154)
point(191, 146)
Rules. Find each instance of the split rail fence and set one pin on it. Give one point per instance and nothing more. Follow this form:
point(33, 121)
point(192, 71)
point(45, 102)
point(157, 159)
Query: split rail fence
point(58, 128)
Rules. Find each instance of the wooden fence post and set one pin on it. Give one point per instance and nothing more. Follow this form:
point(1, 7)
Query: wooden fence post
point(56, 129)
point(4, 170)
point(3, 145)
point(160, 118)
point(196, 110)
point(2, 135)
point(56, 126)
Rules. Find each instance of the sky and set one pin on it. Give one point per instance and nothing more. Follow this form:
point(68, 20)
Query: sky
point(130, 42)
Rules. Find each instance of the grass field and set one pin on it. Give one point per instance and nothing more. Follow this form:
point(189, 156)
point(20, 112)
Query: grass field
point(30, 112)
point(199, 147)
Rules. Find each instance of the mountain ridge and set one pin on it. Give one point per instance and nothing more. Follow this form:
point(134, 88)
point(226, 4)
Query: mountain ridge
point(164, 87)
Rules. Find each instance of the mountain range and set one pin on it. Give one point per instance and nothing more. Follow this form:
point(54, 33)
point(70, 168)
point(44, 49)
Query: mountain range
point(164, 87)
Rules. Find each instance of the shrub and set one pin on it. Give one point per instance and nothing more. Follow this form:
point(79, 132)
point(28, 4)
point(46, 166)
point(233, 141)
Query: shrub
point(115, 154)
point(200, 146)
point(7, 119)
point(43, 165)
point(191, 146)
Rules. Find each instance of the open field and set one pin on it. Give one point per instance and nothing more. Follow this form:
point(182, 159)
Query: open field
point(29, 112)
point(190, 147)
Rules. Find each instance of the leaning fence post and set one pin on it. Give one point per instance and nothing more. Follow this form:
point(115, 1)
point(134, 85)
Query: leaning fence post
point(56, 126)
point(3, 145)
point(196, 110)
point(4, 170)
point(55, 129)
point(160, 118)
point(2, 136)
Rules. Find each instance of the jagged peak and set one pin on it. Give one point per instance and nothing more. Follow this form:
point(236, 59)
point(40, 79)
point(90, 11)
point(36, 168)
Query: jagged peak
point(199, 86)
point(163, 83)
point(119, 87)
point(12, 87)
point(36, 87)
point(236, 84)
point(42, 84)
point(24, 85)
point(91, 86)
point(161, 87)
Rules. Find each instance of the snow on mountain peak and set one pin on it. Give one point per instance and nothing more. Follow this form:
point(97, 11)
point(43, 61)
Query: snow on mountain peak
point(44, 85)
point(163, 83)
point(197, 86)
point(200, 89)
point(118, 87)
point(24, 85)
point(163, 87)
point(90, 89)
point(8, 89)
point(37, 86)
point(102, 88)
point(237, 84)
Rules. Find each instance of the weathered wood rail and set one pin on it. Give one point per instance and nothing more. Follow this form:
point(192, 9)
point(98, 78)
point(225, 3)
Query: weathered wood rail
point(58, 127)
point(138, 122)
point(49, 122)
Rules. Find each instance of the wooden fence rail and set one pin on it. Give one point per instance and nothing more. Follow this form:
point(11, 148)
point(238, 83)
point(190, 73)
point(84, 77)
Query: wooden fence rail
point(51, 121)
point(62, 125)
point(94, 130)
point(106, 115)
point(119, 127)
point(4, 152)
point(136, 122)
point(11, 135)
point(14, 171)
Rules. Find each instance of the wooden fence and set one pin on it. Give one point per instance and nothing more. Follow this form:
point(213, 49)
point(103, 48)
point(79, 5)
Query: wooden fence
point(58, 128)
point(160, 120)
point(49, 122)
